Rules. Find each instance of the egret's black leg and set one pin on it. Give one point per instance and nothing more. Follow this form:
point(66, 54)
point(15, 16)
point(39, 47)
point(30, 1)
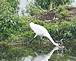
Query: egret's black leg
point(32, 39)
point(35, 36)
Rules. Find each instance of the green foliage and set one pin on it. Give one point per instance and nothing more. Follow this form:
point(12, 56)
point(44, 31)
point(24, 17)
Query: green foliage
point(34, 10)
point(61, 30)
point(14, 5)
point(15, 29)
point(63, 12)
point(8, 19)
point(45, 4)
point(58, 30)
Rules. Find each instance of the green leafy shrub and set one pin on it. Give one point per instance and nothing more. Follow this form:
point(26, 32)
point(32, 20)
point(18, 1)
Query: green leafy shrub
point(62, 11)
point(7, 20)
point(34, 10)
point(57, 30)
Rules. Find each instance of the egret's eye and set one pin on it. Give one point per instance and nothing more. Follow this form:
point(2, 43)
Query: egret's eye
point(59, 45)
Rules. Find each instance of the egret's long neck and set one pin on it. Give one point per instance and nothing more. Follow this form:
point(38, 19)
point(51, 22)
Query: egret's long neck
point(50, 38)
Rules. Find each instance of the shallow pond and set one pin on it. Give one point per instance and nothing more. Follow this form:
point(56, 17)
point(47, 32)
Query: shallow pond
point(36, 52)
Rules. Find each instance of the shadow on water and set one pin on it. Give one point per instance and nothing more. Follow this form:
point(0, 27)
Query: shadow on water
point(32, 53)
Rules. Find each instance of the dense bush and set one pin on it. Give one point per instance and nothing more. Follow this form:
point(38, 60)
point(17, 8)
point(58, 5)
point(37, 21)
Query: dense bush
point(62, 11)
point(34, 10)
point(14, 28)
point(8, 19)
point(58, 30)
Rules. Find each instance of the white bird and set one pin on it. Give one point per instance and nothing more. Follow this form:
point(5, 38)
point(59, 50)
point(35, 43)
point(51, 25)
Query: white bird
point(41, 31)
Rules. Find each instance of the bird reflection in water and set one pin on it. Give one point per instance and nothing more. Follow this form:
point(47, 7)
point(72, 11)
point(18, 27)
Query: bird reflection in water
point(44, 57)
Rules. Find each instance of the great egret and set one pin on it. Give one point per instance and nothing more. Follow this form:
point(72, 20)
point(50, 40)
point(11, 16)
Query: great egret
point(41, 31)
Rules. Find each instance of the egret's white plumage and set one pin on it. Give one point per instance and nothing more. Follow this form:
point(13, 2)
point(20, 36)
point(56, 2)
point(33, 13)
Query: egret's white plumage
point(41, 31)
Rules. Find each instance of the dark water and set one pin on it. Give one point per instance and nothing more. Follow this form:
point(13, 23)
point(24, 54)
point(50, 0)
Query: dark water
point(37, 52)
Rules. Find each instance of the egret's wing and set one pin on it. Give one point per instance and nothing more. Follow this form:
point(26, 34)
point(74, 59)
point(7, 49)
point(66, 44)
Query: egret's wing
point(39, 29)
